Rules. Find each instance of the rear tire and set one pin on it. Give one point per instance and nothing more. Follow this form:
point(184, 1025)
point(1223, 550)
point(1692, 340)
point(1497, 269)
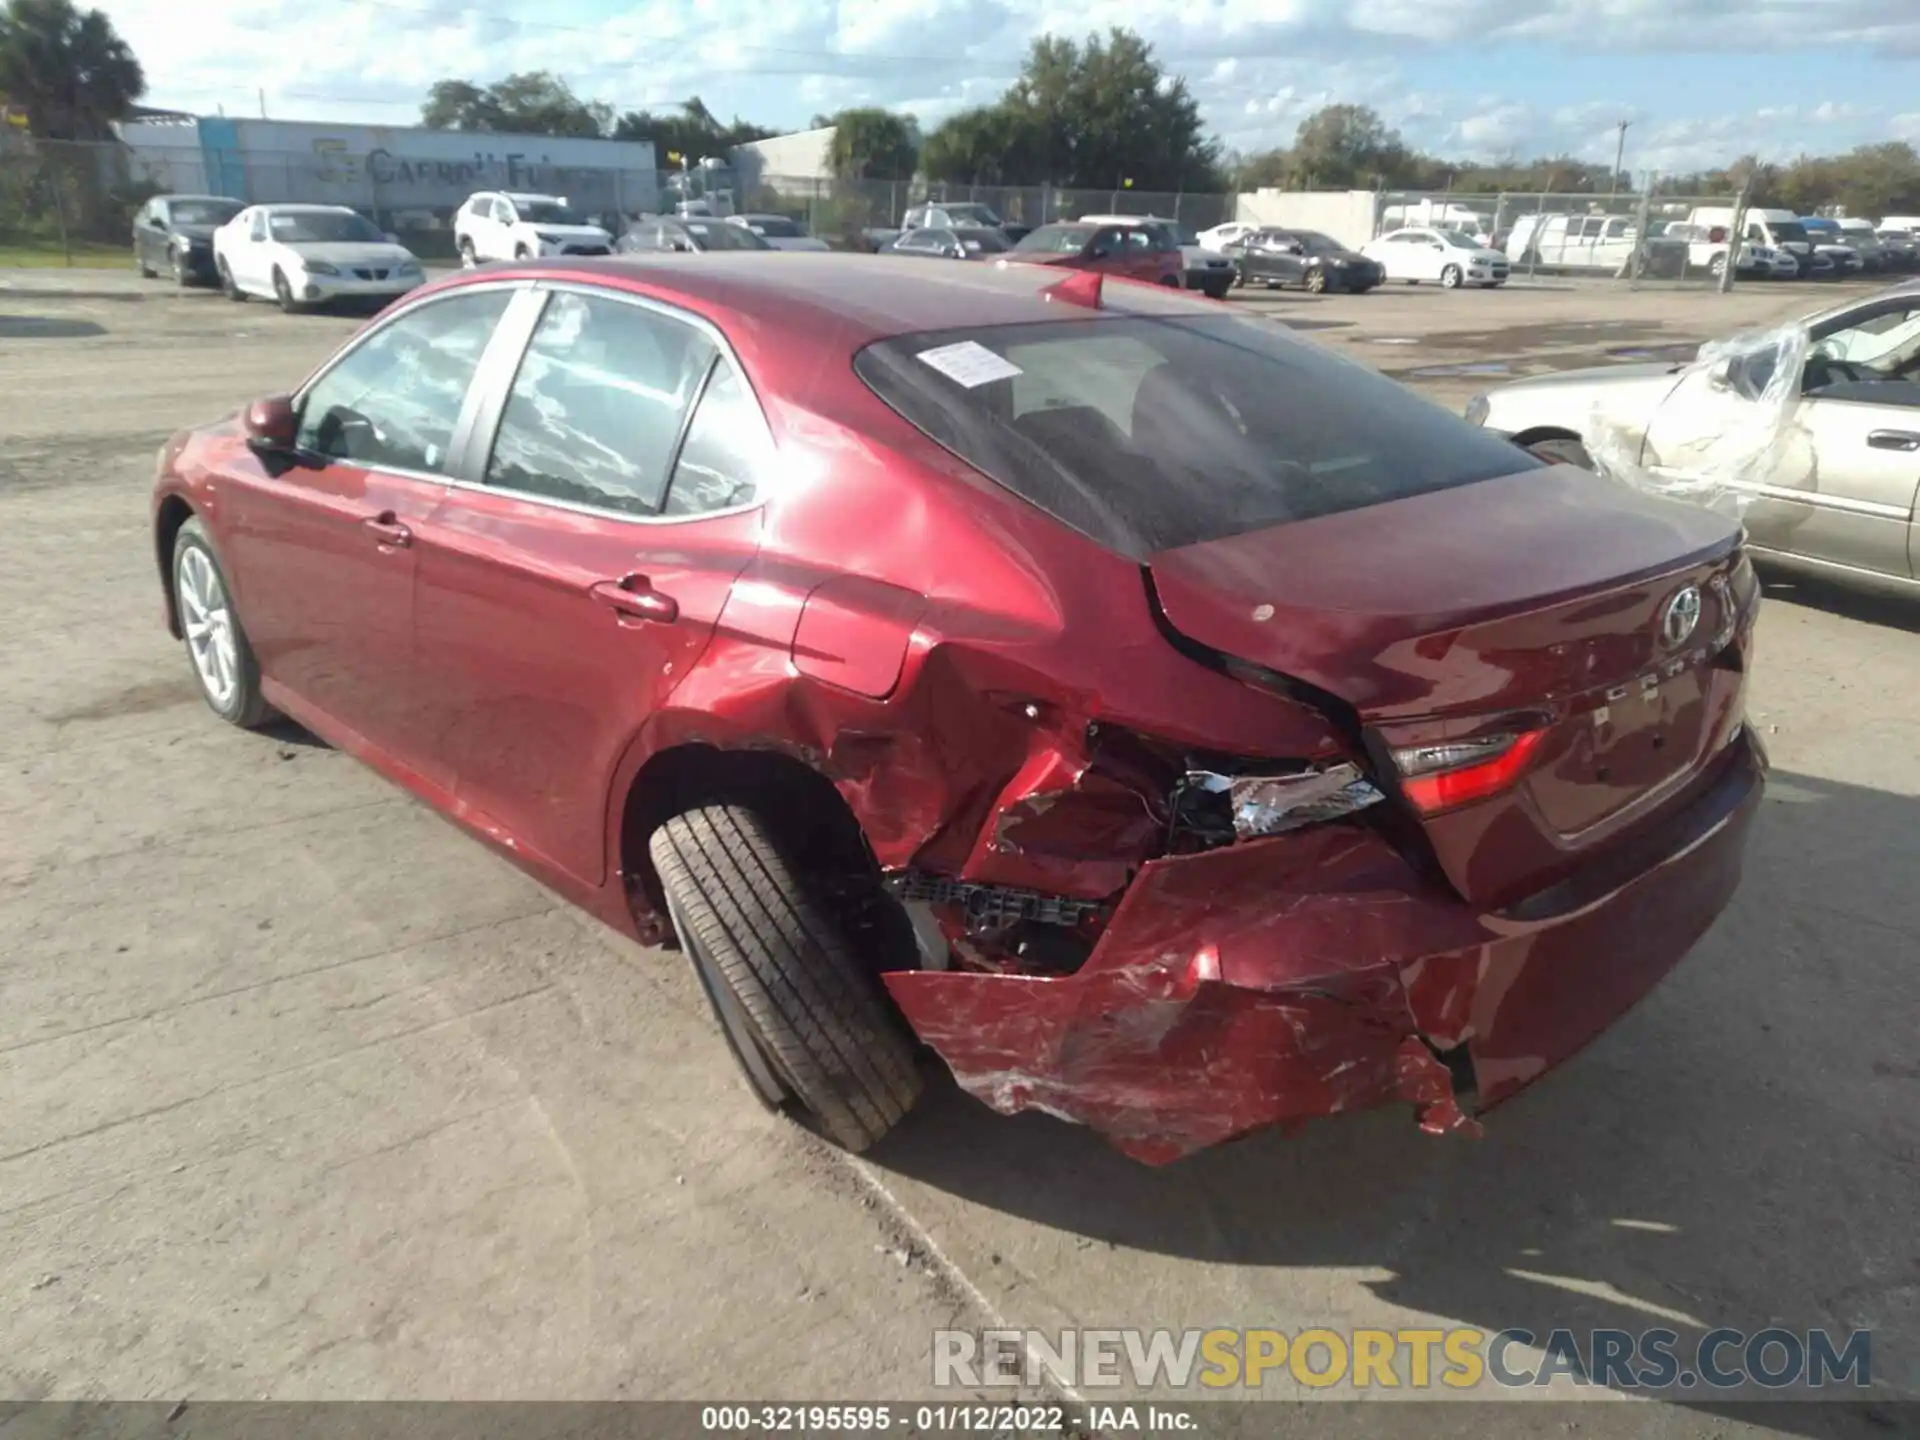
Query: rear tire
point(803, 1017)
point(1717, 266)
point(468, 260)
point(1561, 451)
point(522, 253)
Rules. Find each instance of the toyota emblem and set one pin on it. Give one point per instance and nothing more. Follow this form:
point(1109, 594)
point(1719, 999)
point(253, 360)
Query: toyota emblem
point(1678, 620)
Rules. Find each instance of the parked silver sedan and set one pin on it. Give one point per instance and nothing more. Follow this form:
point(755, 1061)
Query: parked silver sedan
point(1832, 491)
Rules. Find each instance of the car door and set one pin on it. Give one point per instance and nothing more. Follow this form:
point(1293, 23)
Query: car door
point(151, 237)
point(1284, 257)
point(250, 264)
point(572, 580)
point(1860, 411)
point(320, 544)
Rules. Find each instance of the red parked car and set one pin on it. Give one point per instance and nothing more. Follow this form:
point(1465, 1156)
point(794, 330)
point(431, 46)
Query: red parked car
point(1130, 252)
point(1175, 727)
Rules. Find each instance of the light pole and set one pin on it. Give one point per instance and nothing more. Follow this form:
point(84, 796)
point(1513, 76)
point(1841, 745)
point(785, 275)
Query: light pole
point(1619, 155)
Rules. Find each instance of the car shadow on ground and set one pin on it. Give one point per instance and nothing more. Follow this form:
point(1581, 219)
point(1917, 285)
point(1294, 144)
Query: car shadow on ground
point(1869, 608)
point(46, 327)
point(1739, 1151)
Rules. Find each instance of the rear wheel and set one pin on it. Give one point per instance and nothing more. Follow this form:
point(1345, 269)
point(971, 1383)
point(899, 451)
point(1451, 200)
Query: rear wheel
point(1562, 450)
point(804, 1018)
point(521, 252)
point(468, 260)
point(1717, 267)
point(1451, 277)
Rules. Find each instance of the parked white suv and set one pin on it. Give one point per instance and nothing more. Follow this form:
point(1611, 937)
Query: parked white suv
point(499, 225)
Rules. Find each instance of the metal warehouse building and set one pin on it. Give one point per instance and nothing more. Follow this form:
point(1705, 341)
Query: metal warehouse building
point(404, 174)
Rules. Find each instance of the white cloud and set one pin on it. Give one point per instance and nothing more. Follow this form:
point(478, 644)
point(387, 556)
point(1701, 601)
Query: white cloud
point(1257, 70)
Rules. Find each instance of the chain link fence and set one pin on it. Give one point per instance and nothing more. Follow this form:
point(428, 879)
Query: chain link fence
point(1629, 236)
point(70, 200)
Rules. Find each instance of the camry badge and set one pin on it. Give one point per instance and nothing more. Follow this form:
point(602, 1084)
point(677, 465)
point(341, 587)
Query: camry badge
point(1679, 618)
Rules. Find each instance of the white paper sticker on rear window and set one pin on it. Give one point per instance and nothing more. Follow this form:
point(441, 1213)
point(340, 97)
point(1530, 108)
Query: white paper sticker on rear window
point(969, 363)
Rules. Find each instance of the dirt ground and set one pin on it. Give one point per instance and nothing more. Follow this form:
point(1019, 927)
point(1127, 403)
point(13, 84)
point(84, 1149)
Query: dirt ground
point(303, 1094)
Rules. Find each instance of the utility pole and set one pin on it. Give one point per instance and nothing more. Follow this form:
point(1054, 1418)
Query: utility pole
point(1736, 234)
point(1619, 155)
point(263, 102)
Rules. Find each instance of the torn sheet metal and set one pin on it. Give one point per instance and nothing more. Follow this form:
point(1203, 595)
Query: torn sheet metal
point(1728, 426)
point(1274, 804)
point(1311, 974)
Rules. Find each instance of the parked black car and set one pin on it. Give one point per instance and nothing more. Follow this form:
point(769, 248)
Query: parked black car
point(1306, 258)
point(173, 235)
point(958, 242)
point(689, 233)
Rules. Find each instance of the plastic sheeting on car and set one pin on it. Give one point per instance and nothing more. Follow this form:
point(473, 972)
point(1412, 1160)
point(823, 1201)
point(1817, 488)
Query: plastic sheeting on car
point(1727, 426)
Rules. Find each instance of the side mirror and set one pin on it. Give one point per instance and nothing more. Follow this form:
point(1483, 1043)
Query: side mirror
point(1720, 375)
point(272, 424)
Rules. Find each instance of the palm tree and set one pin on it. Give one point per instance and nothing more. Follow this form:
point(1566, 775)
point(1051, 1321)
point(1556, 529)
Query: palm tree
point(67, 68)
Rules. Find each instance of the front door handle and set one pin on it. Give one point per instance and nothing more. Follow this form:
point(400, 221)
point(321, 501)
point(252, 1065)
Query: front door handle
point(1894, 440)
point(634, 595)
point(387, 529)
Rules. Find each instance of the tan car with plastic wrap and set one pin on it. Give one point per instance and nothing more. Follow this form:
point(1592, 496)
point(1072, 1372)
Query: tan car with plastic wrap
point(1810, 432)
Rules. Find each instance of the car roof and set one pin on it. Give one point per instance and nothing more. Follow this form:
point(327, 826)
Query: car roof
point(223, 199)
point(277, 208)
point(805, 292)
point(519, 195)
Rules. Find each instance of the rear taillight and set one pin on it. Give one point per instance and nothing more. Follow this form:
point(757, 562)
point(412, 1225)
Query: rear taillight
point(1439, 777)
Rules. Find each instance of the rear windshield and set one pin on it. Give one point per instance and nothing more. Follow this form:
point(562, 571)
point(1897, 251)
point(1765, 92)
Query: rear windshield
point(203, 212)
point(718, 235)
point(1786, 230)
point(1057, 239)
point(773, 225)
point(1149, 434)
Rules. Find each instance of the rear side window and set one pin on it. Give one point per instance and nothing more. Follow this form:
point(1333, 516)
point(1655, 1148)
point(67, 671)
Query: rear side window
point(1150, 434)
point(597, 405)
point(726, 450)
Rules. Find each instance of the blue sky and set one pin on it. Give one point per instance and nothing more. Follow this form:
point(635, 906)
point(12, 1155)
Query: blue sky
point(1700, 80)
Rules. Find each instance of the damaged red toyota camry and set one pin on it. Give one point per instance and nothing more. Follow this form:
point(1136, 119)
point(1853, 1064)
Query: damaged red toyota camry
point(1175, 727)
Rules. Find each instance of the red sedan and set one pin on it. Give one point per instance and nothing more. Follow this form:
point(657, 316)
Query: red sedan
point(1175, 727)
point(1131, 252)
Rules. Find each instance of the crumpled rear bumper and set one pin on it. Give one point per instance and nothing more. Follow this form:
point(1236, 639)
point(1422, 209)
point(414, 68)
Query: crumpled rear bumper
point(1310, 974)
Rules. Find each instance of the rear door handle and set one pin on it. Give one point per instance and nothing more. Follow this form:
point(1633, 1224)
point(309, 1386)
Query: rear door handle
point(1894, 440)
point(634, 595)
point(387, 529)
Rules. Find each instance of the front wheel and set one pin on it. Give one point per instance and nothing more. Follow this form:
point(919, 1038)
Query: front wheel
point(804, 1018)
point(223, 660)
point(140, 264)
point(468, 260)
point(1316, 281)
point(1451, 277)
point(283, 295)
point(228, 286)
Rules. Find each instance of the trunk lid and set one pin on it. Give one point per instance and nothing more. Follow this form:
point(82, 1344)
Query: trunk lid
point(1534, 602)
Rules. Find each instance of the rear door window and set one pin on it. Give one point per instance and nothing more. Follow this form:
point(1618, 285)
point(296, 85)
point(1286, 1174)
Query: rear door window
point(724, 459)
point(597, 404)
point(1150, 434)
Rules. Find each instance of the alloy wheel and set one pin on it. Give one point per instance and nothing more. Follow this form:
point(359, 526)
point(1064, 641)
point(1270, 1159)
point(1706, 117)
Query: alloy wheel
point(207, 619)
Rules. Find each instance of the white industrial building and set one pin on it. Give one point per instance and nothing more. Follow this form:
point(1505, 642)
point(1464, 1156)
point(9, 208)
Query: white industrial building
point(398, 171)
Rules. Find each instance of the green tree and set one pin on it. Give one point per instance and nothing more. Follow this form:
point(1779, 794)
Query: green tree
point(691, 131)
point(1349, 147)
point(67, 68)
point(990, 145)
point(873, 144)
point(535, 102)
